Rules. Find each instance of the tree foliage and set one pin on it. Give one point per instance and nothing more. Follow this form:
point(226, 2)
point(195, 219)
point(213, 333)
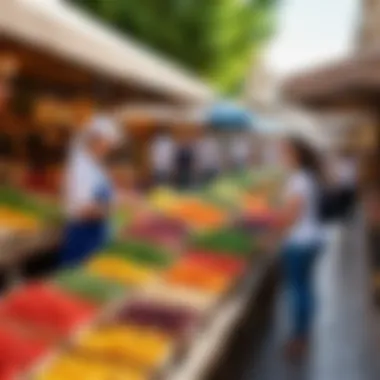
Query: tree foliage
point(217, 39)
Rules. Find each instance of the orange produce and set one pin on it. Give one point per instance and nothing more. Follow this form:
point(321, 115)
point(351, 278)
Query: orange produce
point(255, 204)
point(197, 277)
point(198, 214)
point(15, 220)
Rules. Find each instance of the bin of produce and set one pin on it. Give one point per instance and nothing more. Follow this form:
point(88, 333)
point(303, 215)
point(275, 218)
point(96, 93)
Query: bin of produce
point(121, 271)
point(71, 366)
point(229, 241)
point(194, 276)
point(141, 252)
point(46, 307)
point(216, 262)
point(88, 286)
point(19, 351)
point(145, 348)
point(176, 320)
point(178, 295)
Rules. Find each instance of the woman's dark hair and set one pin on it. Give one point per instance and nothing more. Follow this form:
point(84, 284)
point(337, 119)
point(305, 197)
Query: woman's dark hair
point(307, 157)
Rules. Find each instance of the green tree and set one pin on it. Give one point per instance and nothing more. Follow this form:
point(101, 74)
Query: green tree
point(217, 39)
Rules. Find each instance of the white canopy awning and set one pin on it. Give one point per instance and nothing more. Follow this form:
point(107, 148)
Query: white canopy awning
point(55, 26)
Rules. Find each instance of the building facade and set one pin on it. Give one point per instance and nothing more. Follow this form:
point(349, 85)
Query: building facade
point(369, 28)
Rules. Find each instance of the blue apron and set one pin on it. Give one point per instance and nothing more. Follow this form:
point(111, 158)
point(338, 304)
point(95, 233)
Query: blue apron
point(83, 238)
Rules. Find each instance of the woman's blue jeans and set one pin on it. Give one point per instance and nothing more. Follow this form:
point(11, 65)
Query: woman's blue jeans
point(298, 263)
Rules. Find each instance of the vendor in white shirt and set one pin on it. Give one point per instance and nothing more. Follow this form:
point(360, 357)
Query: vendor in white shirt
point(208, 158)
point(162, 158)
point(88, 191)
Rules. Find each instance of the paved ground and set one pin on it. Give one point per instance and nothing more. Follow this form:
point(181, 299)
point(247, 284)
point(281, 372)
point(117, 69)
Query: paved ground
point(347, 329)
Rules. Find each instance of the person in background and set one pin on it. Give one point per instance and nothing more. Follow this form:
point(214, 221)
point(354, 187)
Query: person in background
point(208, 158)
point(88, 191)
point(37, 159)
point(6, 141)
point(5, 91)
point(6, 154)
point(162, 157)
point(56, 146)
point(240, 151)
point(184, 162)
point(302, 234)
point(346, 169)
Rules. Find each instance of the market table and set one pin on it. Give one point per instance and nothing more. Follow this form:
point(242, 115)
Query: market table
point(16, 248)
point(209, 344)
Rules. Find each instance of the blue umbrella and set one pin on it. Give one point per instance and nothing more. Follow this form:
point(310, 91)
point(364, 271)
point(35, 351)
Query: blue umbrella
point(229, 116)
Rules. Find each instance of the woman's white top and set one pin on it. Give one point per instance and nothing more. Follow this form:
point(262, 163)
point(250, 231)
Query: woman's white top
point(307, 229)
point(208, 154)
point(162, 154)
point(83, 178)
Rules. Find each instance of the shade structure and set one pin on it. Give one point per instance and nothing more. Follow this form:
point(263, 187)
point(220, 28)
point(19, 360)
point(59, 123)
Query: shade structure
point(228, 116)
point(68, 33)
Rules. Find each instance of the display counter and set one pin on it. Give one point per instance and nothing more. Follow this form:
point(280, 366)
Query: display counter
point(208, 351)
point(146, 308)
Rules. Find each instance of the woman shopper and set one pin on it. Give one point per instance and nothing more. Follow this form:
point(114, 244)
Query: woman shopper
point(302, 236)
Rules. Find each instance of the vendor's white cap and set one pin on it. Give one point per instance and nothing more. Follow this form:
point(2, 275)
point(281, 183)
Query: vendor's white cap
point(104, 127)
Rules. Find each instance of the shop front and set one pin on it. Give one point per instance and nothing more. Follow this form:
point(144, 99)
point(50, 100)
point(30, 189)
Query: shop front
point(63, 65)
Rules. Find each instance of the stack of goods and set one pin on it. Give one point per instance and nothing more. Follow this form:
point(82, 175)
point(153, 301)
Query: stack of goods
point(257, 214)
point(121, 271)
point(216, 261)
point(73, 366)
point(89, 287)
point(159, 230)
point(19, 351)
point(172, 319)
point(141, 347)
point(178, 295)
point(226, 241)
point(142, 253)
point(255, 204)
point(46, 308)
point(198, 214)
point(245, 179)
point(12, 220)
point(163, 199)
point(225, 192)
point(121, 218)
point(197, 277)
point(38, 207)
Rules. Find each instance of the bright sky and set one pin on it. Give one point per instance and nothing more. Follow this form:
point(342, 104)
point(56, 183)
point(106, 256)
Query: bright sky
point(311, 32)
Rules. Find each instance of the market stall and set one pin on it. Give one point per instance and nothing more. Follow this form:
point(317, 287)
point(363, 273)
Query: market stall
point(143, 309)
point(64, 62)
